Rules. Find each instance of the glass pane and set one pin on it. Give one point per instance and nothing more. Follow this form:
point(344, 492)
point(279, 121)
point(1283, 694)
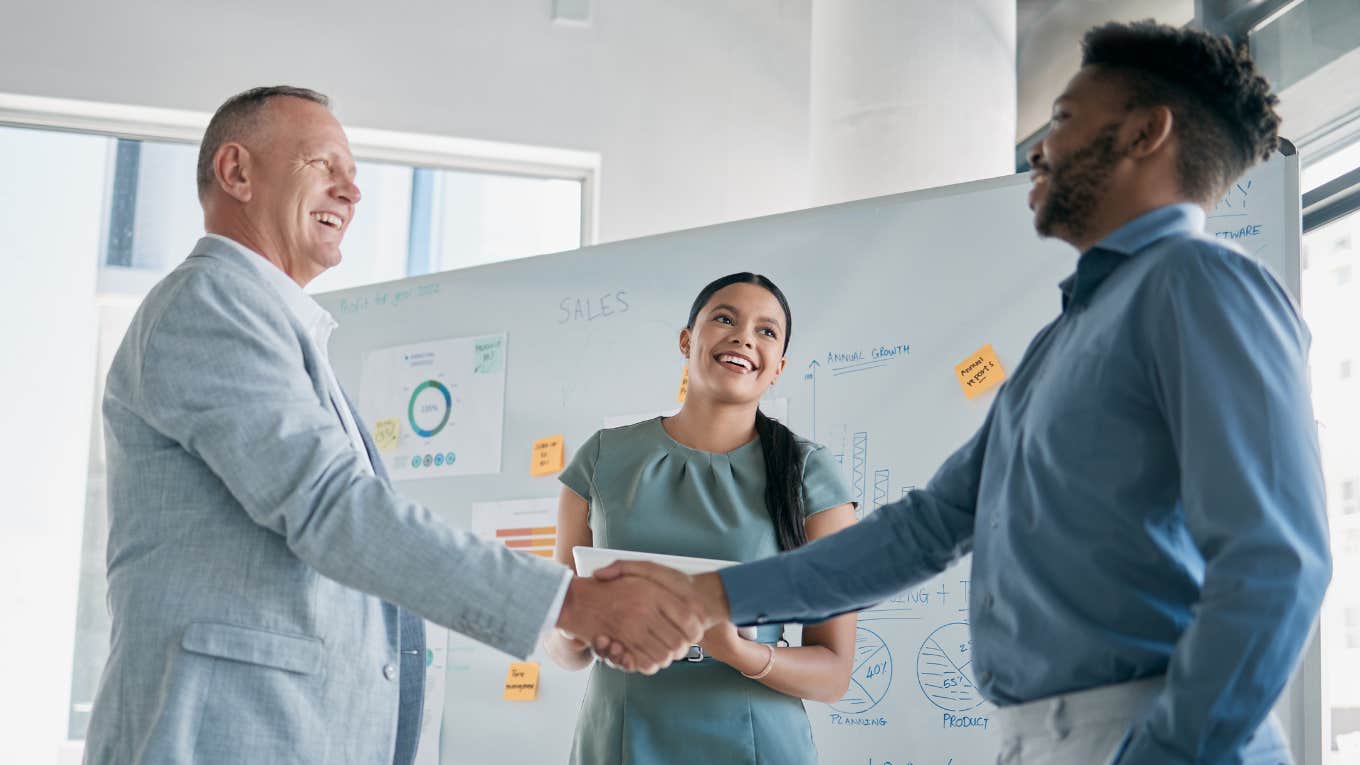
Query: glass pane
point(481, 218)
point(1333, 165)
point(53, 204)
point(1331, 306)
point(154, 216)
point(1305, 38)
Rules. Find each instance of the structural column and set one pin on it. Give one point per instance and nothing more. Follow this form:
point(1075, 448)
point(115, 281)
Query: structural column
point(909, 94)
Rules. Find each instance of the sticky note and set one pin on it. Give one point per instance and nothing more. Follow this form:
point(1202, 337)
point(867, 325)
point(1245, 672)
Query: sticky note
point(385, 434)
point(547, 456)
point(684, 385)
point(521, 682)
point(980, 372)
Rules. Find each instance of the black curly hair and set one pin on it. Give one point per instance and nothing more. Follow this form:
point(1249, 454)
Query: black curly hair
point(1223, 111)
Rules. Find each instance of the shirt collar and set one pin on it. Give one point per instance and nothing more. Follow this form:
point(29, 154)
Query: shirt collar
point(307, 311)
point(1128, 240)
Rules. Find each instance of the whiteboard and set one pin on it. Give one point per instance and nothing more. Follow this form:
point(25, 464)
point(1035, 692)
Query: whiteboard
point(888, 295)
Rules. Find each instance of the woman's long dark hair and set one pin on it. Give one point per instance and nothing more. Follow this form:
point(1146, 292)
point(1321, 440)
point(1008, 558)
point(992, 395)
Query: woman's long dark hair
point(783, 458)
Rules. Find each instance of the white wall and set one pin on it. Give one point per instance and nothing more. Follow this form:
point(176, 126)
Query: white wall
point(699, 108)
point(49, 247)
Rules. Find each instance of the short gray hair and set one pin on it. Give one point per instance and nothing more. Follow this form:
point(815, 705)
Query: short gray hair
point(238, 117)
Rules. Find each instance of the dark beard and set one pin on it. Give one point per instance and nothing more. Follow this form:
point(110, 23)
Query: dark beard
point(1077, 186)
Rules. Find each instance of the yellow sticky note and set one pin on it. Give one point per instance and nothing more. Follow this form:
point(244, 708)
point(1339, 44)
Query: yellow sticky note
point(386, 433)
point(980, 372)
point(547, 456)
point(521, 682)
point(684, 386)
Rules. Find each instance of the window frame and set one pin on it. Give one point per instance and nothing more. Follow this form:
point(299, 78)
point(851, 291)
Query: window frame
point(416, 150)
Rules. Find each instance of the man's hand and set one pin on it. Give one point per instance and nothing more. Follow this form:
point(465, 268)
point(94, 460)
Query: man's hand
point(703, 593)
point(635, 623)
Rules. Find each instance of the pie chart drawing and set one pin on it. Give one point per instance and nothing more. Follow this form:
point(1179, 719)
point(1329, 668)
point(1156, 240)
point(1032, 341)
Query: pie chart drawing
point(943, 669)
point(871, 677)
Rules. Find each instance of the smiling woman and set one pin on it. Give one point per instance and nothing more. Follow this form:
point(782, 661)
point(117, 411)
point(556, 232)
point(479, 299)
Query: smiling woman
point(717, 480)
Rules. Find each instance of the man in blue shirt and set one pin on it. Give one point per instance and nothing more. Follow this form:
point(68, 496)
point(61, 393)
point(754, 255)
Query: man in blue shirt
point(1145, 499)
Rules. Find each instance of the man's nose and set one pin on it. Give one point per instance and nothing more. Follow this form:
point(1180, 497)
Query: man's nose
point(1036, 152)
point(347, 190)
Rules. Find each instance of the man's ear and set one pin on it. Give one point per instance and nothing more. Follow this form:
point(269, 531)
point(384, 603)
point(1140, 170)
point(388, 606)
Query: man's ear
point(233, 171)
point(1149, 130)
point(685, 338)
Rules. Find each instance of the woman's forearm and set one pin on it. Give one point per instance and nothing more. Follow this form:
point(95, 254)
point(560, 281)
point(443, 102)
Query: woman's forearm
point(809, 672)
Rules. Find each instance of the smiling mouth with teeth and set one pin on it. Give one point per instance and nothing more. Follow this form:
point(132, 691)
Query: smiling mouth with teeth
point(327, 219)
point(737, 362)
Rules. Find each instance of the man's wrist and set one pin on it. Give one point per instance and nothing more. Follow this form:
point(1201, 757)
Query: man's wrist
point(570, 604)
point(712, 598)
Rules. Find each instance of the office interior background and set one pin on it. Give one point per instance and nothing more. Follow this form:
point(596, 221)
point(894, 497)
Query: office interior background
point(494, 129)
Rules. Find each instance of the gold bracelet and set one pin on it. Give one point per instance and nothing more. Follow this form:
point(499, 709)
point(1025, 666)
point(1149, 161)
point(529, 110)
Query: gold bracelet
point(769, 665)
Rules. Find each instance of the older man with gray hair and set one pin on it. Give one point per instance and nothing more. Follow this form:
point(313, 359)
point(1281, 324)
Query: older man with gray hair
point(264, 577)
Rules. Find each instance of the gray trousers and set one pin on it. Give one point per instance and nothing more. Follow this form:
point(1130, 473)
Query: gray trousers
point(1087, 728)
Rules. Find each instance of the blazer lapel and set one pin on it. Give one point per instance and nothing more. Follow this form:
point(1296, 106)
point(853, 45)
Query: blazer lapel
point(374, 457)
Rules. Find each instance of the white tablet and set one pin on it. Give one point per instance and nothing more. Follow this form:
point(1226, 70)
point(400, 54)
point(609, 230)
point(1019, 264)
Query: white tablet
point(592, 559)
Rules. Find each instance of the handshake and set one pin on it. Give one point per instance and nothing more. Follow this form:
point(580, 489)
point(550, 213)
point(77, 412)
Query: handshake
point(641, 616)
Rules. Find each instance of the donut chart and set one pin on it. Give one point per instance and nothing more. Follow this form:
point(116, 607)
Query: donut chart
point(429, 408)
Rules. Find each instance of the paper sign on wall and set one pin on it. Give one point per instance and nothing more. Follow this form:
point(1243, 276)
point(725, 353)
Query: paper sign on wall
point(521, 682)
point(548, 456)
point(980, 372)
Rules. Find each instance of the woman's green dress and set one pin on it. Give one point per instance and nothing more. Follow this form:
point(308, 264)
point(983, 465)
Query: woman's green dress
point(648, 492)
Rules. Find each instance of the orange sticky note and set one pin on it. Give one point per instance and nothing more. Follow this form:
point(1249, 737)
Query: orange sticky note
point(684, 386)
point(547, 456)
point(386, 434)
point(980, 372)
point(521, 682)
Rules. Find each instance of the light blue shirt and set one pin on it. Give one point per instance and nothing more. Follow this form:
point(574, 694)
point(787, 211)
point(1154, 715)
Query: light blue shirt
point(1144, 497)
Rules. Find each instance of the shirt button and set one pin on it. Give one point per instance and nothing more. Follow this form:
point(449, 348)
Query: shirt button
point(390, 671)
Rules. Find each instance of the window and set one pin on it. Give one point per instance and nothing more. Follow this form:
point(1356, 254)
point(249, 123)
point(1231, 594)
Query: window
point(412, 220)
point(1332, 315)
point(1351, 547)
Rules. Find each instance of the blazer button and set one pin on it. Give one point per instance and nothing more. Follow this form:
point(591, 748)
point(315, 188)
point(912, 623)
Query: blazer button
point(390, 671)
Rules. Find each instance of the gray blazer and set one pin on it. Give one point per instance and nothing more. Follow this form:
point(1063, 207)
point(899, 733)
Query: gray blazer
point(249, 554)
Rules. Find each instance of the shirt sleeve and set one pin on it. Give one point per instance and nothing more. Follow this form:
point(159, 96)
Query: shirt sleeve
point(823, 487)
point(1230, 372)
point(896, 546)
point(580, 473)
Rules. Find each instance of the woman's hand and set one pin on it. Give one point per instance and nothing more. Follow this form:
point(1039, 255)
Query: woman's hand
point(724, 644)
point(570, 642)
